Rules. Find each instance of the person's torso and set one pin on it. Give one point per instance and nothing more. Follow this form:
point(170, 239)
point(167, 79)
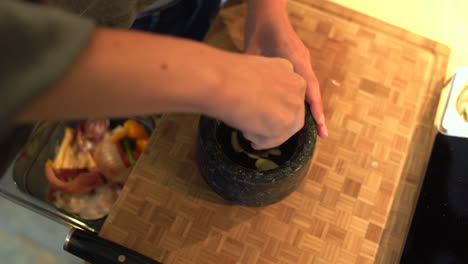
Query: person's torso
point(112, 13)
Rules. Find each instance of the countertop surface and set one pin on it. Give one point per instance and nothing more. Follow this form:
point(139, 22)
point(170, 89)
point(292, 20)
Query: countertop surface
point(29, 238)
point(381, 86)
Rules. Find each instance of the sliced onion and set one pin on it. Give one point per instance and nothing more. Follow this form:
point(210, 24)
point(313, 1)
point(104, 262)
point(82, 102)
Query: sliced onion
point(91, 205)
point(108, 160)
point(90, 132)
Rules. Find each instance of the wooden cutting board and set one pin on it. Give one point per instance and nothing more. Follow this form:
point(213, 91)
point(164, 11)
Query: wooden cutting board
point(380, 90)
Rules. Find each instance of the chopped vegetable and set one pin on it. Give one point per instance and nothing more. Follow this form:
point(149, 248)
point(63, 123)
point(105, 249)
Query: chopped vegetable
point(131, 129)
point(70, 157)
point(275, 152)
point(90, 205)
point(265, 164)
point(81, 183)
point(235, 142)
point(123, 155)
point(90, 132)
point(261, 163)
point(141, 144)
point(67, 174)
point(108, 159)
point(92, 164)
point(127, 146)
point(67, 139)
point(136, 153)
point(136, 130)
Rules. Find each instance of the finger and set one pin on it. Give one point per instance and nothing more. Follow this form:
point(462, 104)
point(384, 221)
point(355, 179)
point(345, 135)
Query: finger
point(255, 146)
point(267, 145)
point(286, 64)
point(313, 97)
point(261, 142)
point(253, 50)
point(299, 82)
point(256, 142)
point(299, 122)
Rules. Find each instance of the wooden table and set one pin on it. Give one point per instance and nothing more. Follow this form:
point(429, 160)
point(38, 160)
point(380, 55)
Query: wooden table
point(380, 86)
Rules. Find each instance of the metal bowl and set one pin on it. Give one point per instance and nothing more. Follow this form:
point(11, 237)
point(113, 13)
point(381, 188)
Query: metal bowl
point(24, 181)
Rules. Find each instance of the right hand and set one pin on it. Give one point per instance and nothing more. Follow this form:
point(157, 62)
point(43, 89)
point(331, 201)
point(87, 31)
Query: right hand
point(262, 97)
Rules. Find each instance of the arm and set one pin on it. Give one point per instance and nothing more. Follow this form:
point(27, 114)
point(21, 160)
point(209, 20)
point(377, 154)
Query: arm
point(269, 33)
point(122, 73)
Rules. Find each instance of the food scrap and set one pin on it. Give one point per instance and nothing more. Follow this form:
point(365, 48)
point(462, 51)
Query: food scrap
point(262, 163)
point(92, 165)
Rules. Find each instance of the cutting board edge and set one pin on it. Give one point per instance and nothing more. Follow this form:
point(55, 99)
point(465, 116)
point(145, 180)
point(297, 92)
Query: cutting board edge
point(392, 225)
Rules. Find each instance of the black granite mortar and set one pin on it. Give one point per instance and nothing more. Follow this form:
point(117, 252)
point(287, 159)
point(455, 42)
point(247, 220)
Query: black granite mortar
point(246, 186)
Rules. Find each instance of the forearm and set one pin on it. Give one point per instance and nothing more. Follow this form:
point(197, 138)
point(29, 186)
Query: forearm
point(124, 73)
point(260, 8)
point(267, 3)
point(264, 13)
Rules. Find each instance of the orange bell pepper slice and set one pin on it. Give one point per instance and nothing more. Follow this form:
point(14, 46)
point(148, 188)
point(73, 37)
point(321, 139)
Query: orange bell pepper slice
point(131, 129)
point(136, 130)
point(141, 143)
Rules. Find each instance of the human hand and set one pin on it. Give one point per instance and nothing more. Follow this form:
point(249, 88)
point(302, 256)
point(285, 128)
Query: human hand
point(262, 97)
point(269, 33)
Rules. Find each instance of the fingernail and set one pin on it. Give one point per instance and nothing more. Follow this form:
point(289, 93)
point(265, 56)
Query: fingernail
point(322, 127)
point(325, 131)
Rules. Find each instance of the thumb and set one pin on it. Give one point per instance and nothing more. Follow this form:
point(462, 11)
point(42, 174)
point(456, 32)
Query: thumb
point(313, 97)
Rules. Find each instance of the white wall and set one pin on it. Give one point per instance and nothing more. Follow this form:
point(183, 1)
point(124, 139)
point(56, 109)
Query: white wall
point(445, 21)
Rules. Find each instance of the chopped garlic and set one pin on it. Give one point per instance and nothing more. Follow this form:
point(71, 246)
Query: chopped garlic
point(264, 164)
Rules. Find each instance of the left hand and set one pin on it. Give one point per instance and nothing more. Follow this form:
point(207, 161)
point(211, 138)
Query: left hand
point(269, 33)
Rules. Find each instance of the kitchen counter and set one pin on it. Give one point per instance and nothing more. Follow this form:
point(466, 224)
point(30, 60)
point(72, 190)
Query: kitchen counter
point(27, 238)
point(381, 86)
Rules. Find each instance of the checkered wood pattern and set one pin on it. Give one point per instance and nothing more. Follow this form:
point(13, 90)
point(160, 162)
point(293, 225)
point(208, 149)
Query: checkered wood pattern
point(380, 89)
